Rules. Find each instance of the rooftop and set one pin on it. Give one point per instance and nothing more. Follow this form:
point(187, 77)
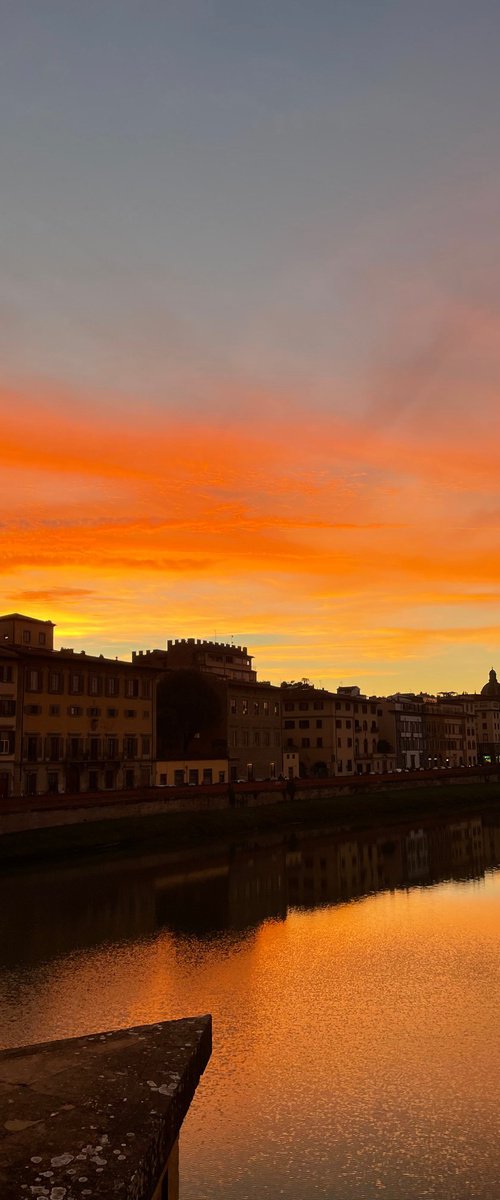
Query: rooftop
point(22, 617)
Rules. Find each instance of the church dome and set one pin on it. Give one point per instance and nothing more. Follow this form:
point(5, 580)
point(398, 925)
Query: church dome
point(492, 688)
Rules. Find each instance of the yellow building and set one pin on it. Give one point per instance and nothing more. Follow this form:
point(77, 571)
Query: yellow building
point(191, 771)
point(8, 707)
point(81, 723)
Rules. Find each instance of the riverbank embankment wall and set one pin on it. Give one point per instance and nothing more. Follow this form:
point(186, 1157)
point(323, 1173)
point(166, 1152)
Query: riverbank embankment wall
point(44, 812)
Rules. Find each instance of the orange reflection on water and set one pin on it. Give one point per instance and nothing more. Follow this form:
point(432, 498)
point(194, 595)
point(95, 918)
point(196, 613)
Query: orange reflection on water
point(356, 1045)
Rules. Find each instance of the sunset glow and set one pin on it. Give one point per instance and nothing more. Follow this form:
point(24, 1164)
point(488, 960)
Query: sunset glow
point(234, 404)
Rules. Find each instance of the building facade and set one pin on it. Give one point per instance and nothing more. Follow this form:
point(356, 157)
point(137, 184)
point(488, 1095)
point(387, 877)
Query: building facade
point(8, 720)
point(222, 660)
point(308, 728)
point(334, 733)
point(77, 723)
point(401, 731)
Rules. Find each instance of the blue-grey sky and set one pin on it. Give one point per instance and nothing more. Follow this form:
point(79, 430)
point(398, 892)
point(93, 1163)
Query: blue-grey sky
point(227, 184)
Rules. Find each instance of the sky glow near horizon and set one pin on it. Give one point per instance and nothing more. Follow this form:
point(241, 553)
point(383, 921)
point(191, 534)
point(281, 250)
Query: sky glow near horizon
point(249, 331)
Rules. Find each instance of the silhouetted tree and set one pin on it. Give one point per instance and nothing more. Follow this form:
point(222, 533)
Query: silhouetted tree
point(187, 703)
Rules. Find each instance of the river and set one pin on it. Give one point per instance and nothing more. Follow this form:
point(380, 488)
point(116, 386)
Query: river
point(354, 987)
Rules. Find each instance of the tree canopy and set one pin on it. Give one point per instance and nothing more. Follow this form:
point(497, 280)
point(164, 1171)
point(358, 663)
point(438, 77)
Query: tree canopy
point(188, 703)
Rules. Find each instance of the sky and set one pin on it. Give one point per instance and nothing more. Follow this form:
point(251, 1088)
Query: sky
point(249, 331)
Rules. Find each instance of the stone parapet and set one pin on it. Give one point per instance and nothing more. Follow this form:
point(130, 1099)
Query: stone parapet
point(99, 1116)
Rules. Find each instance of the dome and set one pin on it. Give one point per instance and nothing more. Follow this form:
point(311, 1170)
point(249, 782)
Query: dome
point(492, 688)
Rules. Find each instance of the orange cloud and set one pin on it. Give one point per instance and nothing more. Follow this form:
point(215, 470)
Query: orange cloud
point(306, 518)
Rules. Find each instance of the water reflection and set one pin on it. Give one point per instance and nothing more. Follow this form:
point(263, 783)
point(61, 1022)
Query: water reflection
point(116, 900)
point(353, 982)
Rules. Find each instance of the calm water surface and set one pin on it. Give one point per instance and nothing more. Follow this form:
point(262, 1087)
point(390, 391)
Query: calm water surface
point(354, 987)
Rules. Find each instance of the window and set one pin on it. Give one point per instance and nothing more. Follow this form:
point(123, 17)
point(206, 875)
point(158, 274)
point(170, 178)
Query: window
point(112, 712)
point(318, 704)
point(306, 743)
point(304, 724)
point(338, 723)
point(193, 775)
point(129, 779)
point(256, 737)
point(232, 707)
point(112, 747)
point(276, 708)
point(179, 778)
point(109, 779)
point(130, 712)
point(266, 738)
point(256, 708)
point(54, 710)
point(207, 775)
point(289, 724)
point(319, 743)
point(5, 674)
point(303, 706)
point(289, 707)
point(54, 748)
point(244, 737)
point(244, 707)
point(94, 748)
point(348, 724)
point(26, 637)
point(41, 639)
point(112, 686)
point(74, 710)
point(32, 710)
point(146, 744)
point(146, 689)
point(34, 681)
point(55, 681)
point(76, 684)
point(130, 747)
point(265, 707)
point(131, 688)
point(319, 724)
point(6, 743)
point(94, 688)
point(8, 706)
point(234, 737)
